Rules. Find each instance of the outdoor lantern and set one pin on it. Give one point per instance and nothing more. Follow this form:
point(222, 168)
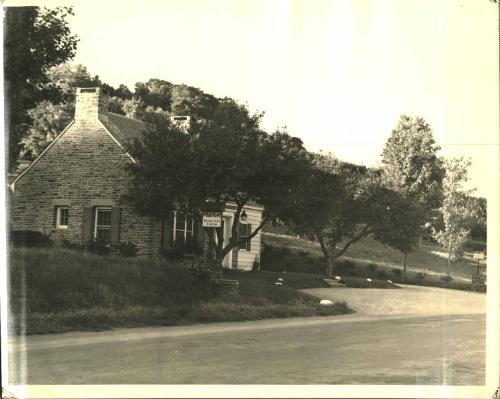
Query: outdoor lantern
point(243, 216)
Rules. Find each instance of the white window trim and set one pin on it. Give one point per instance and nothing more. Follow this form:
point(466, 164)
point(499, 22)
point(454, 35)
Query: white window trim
point(174, 227)
point(58, 217)
point(97, 209)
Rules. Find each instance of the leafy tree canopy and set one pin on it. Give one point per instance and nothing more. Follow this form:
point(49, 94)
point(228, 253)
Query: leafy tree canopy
point(456, 210)
point(35, 39)
point(341, 203)
point(225, 158)
point(50, 116)
point(411, 164)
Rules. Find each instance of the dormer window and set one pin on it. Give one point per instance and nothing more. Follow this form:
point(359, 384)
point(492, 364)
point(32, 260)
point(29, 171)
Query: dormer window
point(183, 122)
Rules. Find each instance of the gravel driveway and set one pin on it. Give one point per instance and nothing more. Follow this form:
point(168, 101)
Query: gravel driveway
point(410, 300)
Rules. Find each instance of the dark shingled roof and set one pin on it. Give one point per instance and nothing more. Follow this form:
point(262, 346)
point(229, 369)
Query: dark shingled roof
point(124, 130)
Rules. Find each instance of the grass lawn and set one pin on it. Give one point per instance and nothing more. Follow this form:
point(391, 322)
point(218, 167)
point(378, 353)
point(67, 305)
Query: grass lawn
point(367, 259)
point(58, 290)
point(300, 280)
point(361, 282)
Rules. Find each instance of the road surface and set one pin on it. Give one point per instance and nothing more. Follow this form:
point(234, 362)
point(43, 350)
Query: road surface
point(390, 348)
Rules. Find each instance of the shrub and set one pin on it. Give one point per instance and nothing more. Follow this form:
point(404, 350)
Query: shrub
point(372, 267)
point(127, 249)
point(420, 275)
point(303, 254)
point(446, 278)
point(73, 246)
point(98, 247)
point(284, 251)
point(28, 238)
point(382, 274)
point(279, 259)
point(347, 267)
point(475, 246)
point(203, 275)
point(181, 249)
point(172, 253)
point(397, 272)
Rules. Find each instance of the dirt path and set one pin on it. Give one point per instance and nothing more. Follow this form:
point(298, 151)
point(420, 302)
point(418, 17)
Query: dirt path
point(410, 300)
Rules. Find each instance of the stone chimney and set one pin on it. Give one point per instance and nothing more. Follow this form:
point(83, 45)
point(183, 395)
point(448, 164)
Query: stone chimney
point(88, 103)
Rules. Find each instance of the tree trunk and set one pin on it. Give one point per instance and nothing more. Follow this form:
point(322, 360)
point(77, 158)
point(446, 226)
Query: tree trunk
point(214, 255)
point(404, 267)
point(330, 267)
point(329, 260)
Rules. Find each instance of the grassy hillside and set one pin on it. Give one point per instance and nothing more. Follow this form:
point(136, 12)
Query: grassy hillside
point(427, 258)
point(56, 290)
point(426, 265)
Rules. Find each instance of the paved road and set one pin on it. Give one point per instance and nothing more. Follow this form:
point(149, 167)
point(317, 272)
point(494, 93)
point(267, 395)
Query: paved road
point(352, 349)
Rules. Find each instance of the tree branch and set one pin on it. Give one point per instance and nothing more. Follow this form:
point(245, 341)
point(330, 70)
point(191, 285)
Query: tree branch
point(236, 243)
point(236, 219)
point(363, 233)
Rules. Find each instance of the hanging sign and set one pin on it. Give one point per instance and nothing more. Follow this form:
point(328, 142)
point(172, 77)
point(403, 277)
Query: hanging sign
point(212, 219)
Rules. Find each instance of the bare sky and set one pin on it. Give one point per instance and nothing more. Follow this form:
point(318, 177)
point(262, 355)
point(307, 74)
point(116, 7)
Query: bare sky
point(337, 73)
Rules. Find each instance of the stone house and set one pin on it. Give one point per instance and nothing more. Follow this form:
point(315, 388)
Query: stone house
point(73, 191)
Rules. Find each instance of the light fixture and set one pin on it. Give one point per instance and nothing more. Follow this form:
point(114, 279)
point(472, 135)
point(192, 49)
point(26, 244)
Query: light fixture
point(243, 216)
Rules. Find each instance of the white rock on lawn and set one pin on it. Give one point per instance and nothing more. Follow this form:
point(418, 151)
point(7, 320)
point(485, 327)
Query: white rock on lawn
point(369, 280)
point(278, 283)
point(280, 279)
point(337, 278)
point(389, 281)
point(325, 302)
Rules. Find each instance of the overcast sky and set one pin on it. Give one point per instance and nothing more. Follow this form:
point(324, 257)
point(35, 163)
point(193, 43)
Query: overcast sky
point(337, 73)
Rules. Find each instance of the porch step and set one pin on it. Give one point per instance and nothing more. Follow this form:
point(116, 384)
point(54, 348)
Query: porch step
point(333, 283)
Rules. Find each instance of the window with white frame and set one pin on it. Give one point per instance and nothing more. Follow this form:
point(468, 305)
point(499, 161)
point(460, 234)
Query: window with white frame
point(182, 229)
point(62, 217)
point(102, 224)
point(245, 232)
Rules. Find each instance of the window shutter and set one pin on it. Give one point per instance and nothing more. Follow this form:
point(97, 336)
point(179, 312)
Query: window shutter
point(242, 230)
point(249, 231)
point(87, 224)
point(115, 225)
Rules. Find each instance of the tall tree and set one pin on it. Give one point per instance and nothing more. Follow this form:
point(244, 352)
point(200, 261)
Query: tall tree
point(402, 229)
point(227, 158)
point(35, 39)
point(63, 79)
point(51, 115)
point(342, 203)
point(411, 165)
point(48, 121)
point(456, 209)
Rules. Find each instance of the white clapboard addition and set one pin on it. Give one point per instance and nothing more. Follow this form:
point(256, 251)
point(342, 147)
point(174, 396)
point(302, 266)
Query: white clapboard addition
point(247, 258)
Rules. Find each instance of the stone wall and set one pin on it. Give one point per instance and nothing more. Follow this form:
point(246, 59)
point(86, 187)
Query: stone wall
point(83, 168)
